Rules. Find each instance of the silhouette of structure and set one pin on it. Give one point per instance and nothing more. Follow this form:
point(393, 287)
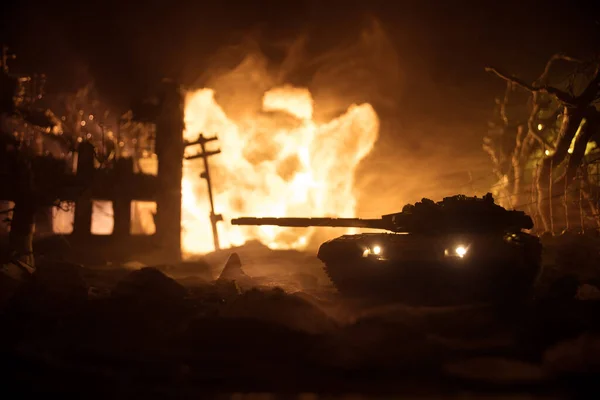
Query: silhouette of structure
point(116, 182)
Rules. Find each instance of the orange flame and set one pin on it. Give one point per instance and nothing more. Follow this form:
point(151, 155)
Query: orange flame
point(276, 162)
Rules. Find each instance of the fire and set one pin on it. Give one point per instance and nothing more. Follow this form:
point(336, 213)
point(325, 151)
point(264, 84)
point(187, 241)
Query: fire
point(275, 162)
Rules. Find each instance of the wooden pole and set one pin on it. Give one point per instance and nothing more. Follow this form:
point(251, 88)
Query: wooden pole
point(214, 217)
point(551, 214)
point(566, 204)
point(581, 219)
point(534, 202)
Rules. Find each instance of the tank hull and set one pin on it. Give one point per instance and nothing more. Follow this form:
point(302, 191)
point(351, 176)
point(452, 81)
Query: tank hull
point(433, 269)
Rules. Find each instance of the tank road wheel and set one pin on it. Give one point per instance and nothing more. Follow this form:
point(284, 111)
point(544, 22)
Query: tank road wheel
point(361, 280)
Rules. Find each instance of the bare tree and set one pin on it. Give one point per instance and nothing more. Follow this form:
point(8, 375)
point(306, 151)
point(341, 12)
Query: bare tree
point(574, 115)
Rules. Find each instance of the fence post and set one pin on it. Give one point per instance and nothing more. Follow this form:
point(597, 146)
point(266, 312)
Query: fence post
point(581, 219)
point(566, 204)
point(550, 199)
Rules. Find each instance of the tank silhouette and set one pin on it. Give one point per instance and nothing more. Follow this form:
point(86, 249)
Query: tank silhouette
point(458, 250)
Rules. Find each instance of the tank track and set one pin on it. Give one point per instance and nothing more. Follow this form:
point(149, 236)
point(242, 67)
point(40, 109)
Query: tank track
point(335, 273)
point(510, 288)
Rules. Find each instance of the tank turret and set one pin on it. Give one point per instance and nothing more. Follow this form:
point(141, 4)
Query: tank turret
point(451, 215)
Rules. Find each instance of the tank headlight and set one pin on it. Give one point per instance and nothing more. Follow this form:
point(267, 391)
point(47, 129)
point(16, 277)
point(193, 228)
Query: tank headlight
point(373, 250)
point(458, 251)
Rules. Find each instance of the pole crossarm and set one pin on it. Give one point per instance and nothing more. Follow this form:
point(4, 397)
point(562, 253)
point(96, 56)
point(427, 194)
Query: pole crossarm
point(203, 155)
point(201, 140)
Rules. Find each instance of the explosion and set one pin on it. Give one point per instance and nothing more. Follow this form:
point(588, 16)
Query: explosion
point(275, 162)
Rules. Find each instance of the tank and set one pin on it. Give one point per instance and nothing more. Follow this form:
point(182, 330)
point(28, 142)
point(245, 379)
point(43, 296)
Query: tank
point(458, 250)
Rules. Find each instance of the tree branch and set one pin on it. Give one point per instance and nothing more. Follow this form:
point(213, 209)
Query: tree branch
point(561, 96)
point(509, 88)
point(556, 57)
point(590, 93)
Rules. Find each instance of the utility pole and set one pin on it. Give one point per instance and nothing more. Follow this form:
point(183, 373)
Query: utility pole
point(214, 218)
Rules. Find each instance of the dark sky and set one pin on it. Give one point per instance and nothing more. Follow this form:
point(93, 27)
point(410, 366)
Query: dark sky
point(124, 44)
point(442, 45)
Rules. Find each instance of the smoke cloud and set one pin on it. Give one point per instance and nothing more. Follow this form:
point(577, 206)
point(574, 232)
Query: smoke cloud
point(414, 157)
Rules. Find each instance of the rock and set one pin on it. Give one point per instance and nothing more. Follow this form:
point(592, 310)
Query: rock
point(578, 355)
point(495, 370)
point(98, 293)
point(150, 284)
point(564, 288)
point(60, 277)
point(209, 298)
point(227, 290)
point(276, 306)
point(17, 270)
point(233, 272)
point(59, 282)
point(54, 288)
point(233, 269)
point(12, 276)
point(588, 292)
point(501, 341)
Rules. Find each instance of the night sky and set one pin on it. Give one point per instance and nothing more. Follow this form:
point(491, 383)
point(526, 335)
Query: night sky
point(442, 47)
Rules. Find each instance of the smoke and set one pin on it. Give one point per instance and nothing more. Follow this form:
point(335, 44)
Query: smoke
point(365, 70)
point(415, 155)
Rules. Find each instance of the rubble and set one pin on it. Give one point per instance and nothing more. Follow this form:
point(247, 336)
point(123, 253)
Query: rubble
point(12, 276)
point(54, 288)
point(232, 271)
point(496, 370)
point(151, 328)
point(170, 326)
point(150, 284)
point(276, 306)
point(60, 278)
point(588, 292)
point(577, 355)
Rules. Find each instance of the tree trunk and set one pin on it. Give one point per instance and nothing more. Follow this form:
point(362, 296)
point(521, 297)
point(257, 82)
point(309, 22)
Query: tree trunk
point(579, 112)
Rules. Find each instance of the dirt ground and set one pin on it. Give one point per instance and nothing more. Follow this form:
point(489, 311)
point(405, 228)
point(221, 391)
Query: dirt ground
point(277, 326)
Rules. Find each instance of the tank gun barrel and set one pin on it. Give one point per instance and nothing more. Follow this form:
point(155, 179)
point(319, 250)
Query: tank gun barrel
point(306, 222)
point(452, 215)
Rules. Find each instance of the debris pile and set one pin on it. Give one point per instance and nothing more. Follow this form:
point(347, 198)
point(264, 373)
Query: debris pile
point(148, 329)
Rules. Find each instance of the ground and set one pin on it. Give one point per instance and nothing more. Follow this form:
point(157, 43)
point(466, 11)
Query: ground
point(277, 325)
